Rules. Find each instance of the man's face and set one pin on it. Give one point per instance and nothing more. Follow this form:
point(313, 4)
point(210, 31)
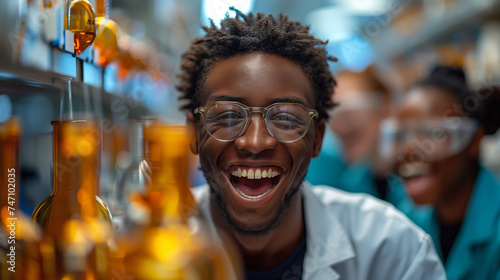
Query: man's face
point(256, 80)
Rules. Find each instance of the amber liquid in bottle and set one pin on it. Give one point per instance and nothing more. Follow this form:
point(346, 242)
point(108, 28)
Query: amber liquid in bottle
point(76, 224)
point(27, 259)
point(70, 137)
point(82, 22)
point(168, 248)
point(106, 41)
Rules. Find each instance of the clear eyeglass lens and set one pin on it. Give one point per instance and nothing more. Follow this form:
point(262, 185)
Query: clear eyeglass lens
point(287, 122)
point(226, 121)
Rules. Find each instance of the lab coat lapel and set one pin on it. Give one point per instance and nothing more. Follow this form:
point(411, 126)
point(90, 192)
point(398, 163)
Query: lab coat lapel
point(327, 241)
point(477, 228)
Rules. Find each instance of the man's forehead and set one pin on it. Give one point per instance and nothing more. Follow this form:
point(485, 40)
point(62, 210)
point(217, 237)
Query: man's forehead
point(258, 76)
point(246, 100)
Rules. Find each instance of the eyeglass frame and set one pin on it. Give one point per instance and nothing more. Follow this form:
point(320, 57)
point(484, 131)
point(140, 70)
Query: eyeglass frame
point(312, 113)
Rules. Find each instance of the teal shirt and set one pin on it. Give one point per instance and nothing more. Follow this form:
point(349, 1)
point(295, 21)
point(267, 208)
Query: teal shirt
point(330, 169)
point(475, 254)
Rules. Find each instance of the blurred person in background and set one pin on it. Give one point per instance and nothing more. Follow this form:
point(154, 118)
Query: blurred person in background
point(349, 159)
point(257, 91)
point(436, 140)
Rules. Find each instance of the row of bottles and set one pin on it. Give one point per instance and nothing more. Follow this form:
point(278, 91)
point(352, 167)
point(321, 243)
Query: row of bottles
point(72, 234)
point(71, 25)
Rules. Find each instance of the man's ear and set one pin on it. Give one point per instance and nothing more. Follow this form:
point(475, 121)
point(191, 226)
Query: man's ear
point(319, 132)
point(192, 132)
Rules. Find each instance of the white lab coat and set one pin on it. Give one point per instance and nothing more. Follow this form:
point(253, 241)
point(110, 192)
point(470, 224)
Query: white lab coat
point(355, 236)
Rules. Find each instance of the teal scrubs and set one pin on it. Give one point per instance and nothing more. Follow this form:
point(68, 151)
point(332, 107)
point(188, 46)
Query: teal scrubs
point(330, 169)
point(327, 167)
point(475, 254)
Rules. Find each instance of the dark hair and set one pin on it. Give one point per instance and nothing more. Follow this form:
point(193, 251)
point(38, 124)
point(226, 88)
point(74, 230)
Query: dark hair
point(257, 33)
point(482, 105)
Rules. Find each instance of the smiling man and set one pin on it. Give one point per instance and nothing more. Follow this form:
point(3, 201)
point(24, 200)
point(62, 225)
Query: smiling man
point(257, 92)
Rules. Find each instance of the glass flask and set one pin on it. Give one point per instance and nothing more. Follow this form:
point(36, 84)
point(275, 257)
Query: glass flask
point(76, 224)
point(106, 41)
point(169, 247)
point(19, 238)
point(72, 170)
point(82, 23)
point(131, 182)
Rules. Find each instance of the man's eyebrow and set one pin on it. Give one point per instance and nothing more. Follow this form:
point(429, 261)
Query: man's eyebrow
point(215, 98)
point(289, 100)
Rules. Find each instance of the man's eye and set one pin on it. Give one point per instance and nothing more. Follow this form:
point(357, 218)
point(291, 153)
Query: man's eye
point(229, 116)
point(284, 118)
point(286, 121)
point(226, 118)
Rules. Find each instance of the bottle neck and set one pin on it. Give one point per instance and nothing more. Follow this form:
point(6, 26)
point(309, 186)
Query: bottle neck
point(136, 141)
point(166, 152)
point(102, 8)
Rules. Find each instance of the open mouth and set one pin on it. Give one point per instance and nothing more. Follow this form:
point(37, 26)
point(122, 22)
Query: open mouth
point(414, 169)
point(254, 182)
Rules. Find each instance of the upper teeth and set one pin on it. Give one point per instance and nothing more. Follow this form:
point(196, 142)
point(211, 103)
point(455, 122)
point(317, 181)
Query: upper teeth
point(413, 169)
point(255, 174)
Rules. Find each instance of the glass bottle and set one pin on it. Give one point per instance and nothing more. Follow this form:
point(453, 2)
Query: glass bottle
point(76, 224)
point(131, 182)
point(72, 171)
point(19, 238)
point(106, 41)
point(167, 248)
point(82, 23)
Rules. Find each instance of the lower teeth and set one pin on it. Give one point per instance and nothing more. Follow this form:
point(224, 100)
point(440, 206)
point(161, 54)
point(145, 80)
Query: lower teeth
point(253, 196)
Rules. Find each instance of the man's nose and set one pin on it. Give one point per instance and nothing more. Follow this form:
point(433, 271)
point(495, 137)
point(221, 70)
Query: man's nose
point(256, 138)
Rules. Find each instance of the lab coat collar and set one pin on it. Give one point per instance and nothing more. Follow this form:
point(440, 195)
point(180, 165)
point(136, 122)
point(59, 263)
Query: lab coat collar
point(327, 241)
point(477, 228)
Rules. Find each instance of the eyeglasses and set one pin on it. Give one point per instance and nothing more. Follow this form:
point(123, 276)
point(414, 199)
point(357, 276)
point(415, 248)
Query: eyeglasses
point(285, 122)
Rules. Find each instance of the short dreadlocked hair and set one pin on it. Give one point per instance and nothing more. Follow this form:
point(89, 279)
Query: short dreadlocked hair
point(257, 33)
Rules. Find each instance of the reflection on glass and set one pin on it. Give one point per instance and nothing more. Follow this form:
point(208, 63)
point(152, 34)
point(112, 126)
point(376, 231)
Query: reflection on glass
point(82, 22)
point(76, 224)
point(106, 41)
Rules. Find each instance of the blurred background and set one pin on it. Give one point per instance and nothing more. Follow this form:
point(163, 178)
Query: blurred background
point(130, 72)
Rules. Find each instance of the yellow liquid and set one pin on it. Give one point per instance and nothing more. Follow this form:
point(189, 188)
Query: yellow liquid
point(106, 41)
point(168, 248)
point(43, 213)
point(82, 22)
point(27, 235)
point(83, 39)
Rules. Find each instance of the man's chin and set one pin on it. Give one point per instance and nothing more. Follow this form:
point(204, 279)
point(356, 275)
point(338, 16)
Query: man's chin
point(259, 227)
point(244, 227)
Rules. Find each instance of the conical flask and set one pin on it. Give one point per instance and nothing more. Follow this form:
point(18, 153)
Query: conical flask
point(169, 247)
point(75, 165)
point(76, 224)
point(20, 256)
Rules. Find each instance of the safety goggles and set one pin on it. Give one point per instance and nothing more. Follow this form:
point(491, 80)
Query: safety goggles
point(426, 139)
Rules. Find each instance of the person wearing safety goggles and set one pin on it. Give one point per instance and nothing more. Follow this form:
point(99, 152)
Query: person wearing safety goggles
point(434, 141)
point(349, 157)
